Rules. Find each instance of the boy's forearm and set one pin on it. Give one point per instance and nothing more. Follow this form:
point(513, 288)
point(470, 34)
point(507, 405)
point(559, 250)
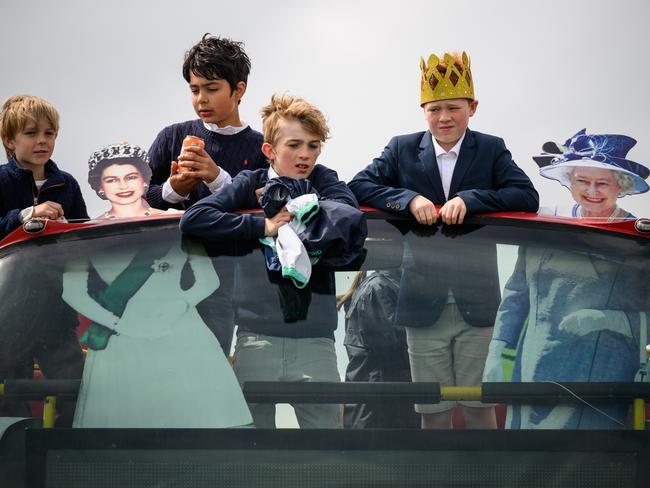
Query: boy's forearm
point(512, 192)
point(156, 200)
point(80, 211)
point(9, 222)
point(213, 217)
point(210, 223)
point(382, 197)
point(160, 160)
point(340, 192)
point(510, 199)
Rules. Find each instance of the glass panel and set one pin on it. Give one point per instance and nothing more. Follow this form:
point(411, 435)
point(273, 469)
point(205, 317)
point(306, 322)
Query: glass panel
point(158, 314)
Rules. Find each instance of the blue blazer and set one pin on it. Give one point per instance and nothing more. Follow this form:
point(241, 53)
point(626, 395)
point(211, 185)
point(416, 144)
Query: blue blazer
point(488, 180)
point(485, 176)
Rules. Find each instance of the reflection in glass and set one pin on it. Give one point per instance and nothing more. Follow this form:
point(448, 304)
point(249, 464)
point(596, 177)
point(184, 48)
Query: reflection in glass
point(152, 362)
point(572, 316)
point(376, 348)
point(448, 298)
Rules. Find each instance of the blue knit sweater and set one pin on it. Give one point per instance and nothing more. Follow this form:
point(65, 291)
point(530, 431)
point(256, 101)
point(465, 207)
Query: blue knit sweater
point(18, 190)
point(233, 153)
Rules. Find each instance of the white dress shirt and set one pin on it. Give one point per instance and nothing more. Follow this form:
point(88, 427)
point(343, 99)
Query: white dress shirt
point(447, 162)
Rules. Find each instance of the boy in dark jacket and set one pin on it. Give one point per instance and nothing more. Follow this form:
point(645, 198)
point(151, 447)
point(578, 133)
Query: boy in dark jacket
point(285, 333)
point(33, 187)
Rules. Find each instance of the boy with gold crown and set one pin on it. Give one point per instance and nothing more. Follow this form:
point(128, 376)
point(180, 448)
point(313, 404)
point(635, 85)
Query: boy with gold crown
point(465, 172)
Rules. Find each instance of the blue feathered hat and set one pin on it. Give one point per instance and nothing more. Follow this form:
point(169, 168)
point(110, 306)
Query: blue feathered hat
point(605, 151)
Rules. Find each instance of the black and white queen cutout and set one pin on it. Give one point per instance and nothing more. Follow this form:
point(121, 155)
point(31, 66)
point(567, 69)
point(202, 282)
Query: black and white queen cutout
point(120, 173)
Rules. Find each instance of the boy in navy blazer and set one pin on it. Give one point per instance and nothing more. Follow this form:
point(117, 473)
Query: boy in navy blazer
point(466, 172)
point(284, 333)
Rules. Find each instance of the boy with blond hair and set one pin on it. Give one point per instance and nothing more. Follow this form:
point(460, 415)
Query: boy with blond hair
point(294, 342)
point(465, 172)
point(33, 187)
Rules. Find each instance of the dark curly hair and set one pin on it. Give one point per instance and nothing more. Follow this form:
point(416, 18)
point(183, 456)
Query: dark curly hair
point(217, 58)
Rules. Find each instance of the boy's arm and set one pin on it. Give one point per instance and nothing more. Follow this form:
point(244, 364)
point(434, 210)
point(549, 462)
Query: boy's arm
point(331, 188)
point(9, 222)
point(160, 162)
point(513, 190)
point(378, 185)
point(212, 218)
point(79, 211)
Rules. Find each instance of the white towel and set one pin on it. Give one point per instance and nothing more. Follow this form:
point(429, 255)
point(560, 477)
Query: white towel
point(291, 252)
point(293, 256)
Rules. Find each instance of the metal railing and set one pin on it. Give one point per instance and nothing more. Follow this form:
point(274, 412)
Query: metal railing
point(361, 392)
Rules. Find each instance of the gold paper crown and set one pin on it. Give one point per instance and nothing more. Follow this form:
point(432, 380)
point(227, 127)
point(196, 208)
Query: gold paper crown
point(454, 83)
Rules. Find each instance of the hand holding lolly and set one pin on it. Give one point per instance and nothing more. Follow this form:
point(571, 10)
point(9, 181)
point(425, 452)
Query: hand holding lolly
point(189, 141)
point(195, 162)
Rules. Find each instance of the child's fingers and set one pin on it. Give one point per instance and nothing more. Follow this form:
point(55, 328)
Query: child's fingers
point(194, 149)
point(195, 154)
point(426, 216)
point(187, 165)
point(56, 206)
point(461, 215)
point(48, 210)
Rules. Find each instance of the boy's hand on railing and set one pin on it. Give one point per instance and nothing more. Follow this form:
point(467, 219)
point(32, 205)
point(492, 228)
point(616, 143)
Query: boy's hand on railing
point(48, 210)
point(453, 212)
point(423, 210)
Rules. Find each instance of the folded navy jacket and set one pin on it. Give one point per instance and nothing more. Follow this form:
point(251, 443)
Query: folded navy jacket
point(331, 232)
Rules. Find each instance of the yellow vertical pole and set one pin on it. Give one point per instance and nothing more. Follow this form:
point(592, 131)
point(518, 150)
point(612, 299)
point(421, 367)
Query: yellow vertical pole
point(638, 414)
point(49, 412)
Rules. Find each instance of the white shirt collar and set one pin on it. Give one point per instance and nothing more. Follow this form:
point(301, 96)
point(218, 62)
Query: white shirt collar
point(272, 173)
point(228, 130)
point(440, 151)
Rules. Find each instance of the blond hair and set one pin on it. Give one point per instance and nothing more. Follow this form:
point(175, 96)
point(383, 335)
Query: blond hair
point(458, 62)
point(18, 111)
point(287, 107)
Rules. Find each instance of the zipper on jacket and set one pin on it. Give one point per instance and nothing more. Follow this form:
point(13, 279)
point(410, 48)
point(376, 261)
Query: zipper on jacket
point(38, 193)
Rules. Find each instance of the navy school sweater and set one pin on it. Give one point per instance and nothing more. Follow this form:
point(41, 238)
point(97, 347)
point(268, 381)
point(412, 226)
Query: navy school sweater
point(232, 153)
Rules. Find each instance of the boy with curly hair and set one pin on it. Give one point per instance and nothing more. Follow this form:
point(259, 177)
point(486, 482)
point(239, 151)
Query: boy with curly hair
point(216, 70)
point(276, 341)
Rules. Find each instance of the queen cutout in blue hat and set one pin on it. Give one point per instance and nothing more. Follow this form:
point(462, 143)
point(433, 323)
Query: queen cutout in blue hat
point(595, 169)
